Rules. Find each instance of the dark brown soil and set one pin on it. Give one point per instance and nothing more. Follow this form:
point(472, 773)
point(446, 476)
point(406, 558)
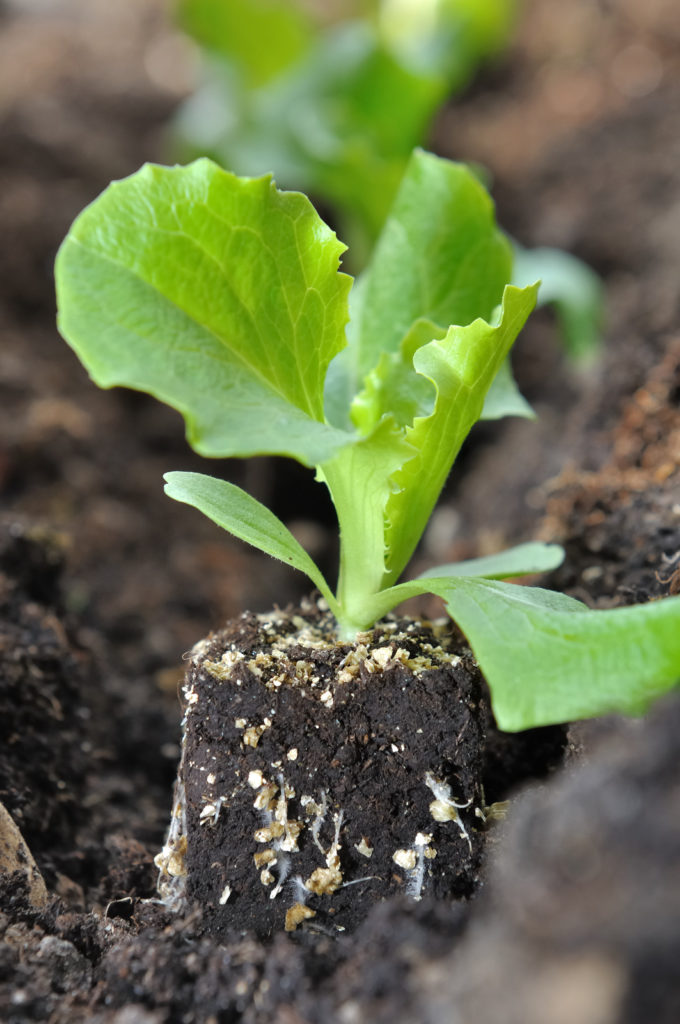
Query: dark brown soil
point(322, 777)
point(104, 584)
point(44, 748)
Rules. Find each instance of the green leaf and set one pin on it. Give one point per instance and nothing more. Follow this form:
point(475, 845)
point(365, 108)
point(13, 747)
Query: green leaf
point(462, 366)
point(244, 517)
point(521, 560)
point(220, 296)
point(359, 114)
point(439, 257)
point(262, 36)
point(326, 125)
point(572, 288)
point(548, 659)
point(393, 387)
point(504, 397)
point(451, 36)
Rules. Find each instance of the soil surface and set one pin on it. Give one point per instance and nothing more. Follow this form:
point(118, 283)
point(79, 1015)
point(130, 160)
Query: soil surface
point(105, 584)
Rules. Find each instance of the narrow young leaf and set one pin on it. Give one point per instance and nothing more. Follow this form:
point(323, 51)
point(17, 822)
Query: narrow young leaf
point(244, 517)
point(462, 366)
point(521, 560)
point(221, 296)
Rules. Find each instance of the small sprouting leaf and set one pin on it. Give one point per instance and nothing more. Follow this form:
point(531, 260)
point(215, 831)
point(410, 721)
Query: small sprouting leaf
point(572, 288)
point(462, 366)
point(219, 295)
point(244, 517)
point(359, 479)
point(522, 560)
point(393, 388)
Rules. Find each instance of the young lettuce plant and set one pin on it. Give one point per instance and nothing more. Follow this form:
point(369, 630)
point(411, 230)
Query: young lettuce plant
point(222, 297)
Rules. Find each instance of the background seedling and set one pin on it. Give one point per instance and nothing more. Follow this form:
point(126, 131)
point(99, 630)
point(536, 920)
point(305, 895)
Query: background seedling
point(335, 107)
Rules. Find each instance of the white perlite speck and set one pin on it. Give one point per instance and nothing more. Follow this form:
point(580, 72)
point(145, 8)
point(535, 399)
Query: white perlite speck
point(405, 859)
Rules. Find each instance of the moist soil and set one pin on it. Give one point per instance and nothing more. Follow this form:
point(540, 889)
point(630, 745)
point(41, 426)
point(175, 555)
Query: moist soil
point(566, 911)
point(320, 777)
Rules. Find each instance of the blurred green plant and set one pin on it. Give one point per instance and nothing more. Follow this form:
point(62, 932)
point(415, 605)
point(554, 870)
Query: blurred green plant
point(332, 109)
point(333, 104)
point(572, 289)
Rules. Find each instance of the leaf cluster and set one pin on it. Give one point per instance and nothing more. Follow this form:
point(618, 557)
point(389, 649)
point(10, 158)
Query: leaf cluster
point(223, 297)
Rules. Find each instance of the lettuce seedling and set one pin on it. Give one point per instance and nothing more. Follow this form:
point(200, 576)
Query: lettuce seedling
point(222, 296)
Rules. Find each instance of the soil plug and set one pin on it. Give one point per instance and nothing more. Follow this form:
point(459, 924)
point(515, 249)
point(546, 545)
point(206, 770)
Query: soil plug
point(316, 839)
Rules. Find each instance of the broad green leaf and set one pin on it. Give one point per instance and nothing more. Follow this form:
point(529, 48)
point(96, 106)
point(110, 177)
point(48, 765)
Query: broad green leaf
point(244, 517)
point(220, 296)
point(547, 659)
point(572, 288)
point(521, 560)
point(462, 366)
point(262, 36)
point(439, 257)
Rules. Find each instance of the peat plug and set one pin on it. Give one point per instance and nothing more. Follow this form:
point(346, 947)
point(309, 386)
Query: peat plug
point(320, 776)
